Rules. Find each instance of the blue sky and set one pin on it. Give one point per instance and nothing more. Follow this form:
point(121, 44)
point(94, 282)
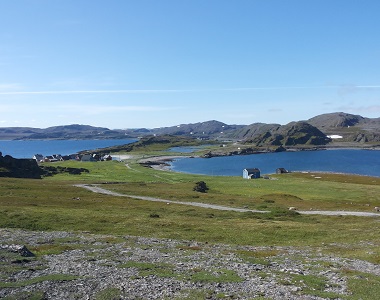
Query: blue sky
point(153, 63)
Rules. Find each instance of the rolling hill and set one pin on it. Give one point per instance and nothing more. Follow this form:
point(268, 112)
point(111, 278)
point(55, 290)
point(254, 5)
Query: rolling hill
point(73, 131)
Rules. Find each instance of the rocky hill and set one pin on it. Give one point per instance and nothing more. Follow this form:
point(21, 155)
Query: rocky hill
point(347, 127)
point(335, 120)
point(292, 134)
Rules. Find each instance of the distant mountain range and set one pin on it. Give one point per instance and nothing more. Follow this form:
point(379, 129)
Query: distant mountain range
point(319, 130)
point(74, 131)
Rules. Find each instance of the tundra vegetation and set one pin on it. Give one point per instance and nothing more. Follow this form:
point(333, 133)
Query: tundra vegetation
point(55, 204)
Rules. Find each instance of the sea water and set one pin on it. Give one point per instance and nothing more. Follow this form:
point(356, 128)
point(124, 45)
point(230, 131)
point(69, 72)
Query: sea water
point(353, 161)
point(28, 148)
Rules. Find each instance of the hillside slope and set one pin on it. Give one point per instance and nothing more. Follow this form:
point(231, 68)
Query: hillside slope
point(292, 134)
point(252, 130)
point(335, 120)
point(348, 127)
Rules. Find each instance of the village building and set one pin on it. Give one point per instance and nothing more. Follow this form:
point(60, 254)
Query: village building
point(50, 158)
point(38, 157)
point(58, 157)
point(251, 173)
point(96, 157)
point(66, 157)
point(106, 157)
point(281, 171)
point(87, 157)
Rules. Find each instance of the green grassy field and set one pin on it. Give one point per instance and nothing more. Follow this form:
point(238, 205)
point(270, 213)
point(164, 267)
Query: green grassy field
point(54, 203)
point(49, 204)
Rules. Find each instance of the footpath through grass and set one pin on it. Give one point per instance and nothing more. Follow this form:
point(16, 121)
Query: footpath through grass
point(304, 191)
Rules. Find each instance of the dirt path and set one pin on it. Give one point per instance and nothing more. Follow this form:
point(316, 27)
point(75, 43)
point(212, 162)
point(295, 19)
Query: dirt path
point(97, 189)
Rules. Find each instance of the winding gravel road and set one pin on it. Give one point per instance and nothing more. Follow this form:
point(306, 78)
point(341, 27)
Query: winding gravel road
point(97, 189)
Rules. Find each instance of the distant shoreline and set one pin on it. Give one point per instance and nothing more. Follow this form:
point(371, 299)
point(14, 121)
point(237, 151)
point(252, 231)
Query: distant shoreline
point(162, 163)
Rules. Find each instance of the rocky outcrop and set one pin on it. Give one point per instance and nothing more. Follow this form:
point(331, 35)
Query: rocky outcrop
point(22, 250)
point(365, 137)
point(19, 168)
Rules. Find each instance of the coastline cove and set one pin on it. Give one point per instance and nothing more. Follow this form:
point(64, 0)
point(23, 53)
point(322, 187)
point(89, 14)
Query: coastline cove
point(348, 161)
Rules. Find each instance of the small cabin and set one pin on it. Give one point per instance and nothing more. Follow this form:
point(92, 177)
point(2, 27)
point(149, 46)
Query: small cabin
point(50, 158)
point(281, 171)
point(251, 173)
point(37, 157)
point(87, 157)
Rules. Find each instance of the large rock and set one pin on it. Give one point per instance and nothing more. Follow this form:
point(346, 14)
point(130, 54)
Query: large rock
point(20, 249)
point(19, 168)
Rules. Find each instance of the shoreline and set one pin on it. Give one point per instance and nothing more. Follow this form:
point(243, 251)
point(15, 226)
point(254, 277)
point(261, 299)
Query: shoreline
point(264, 150)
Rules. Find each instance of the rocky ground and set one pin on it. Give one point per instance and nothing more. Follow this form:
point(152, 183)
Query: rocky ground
point(86, 266)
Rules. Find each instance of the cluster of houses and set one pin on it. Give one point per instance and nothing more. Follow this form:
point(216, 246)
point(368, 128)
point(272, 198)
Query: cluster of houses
point(253, 173)
point(78, 157)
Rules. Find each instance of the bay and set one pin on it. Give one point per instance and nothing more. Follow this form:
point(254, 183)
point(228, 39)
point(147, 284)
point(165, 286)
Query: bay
point(28, 148)
point(351, 161)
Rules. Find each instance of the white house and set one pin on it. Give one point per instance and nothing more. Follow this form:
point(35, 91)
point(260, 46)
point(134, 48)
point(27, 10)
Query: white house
point(38, 157)
point(251, 173)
